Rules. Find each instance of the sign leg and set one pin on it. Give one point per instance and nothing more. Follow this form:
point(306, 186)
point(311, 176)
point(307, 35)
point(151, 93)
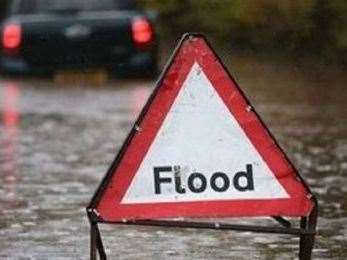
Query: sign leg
point(93, 239)
point(307, 240)
point(305, 252)
point(99, 244)
point(96, 244)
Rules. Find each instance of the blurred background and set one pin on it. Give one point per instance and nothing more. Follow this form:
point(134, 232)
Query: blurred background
point(75, 74)
point(299, 29)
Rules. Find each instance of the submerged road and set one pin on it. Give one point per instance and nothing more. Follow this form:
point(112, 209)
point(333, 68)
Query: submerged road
point(57, 141)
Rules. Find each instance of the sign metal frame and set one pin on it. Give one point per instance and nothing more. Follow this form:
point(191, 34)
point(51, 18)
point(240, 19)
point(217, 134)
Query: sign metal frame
point(306, 230)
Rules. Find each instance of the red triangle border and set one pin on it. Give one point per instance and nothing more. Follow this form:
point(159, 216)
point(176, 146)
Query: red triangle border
point(195, 48)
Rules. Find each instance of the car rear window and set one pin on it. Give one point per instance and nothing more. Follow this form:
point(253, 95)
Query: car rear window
point(46, 6)
point(4, 8)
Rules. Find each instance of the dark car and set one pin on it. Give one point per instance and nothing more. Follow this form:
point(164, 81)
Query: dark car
point(49, 35)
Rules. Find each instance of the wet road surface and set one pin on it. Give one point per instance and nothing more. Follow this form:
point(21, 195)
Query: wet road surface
point(56, 143)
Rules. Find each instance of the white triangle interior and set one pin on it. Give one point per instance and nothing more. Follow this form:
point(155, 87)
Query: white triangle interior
point(199, 134)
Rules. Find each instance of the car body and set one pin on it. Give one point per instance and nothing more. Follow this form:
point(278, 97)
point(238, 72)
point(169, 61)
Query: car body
point(49, 35)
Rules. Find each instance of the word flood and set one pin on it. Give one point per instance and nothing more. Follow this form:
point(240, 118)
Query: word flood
point(197, 182)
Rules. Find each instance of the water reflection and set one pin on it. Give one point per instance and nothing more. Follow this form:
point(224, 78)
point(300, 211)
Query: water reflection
point(10, 118)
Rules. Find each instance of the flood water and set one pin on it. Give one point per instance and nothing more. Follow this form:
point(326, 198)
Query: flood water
point(56, 143)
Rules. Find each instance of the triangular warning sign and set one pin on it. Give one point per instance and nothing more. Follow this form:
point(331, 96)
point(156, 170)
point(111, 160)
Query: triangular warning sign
point(198, 149)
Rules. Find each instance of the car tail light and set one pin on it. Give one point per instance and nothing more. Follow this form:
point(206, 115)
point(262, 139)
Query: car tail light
point(142, 31)
point(12, 36)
